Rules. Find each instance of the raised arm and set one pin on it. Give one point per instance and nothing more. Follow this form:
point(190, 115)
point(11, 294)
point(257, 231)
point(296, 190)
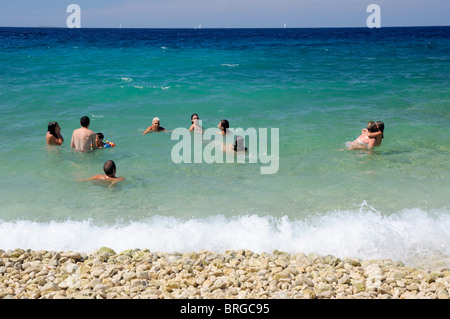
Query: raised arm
point(374, 134)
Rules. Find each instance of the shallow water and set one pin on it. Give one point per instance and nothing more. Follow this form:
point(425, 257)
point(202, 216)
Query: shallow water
point(319, 87)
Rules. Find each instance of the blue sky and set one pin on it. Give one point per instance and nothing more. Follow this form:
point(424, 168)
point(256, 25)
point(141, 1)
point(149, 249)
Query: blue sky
point(223, 13)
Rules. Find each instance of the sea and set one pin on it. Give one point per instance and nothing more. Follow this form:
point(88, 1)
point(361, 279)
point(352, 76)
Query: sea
point(316, 87)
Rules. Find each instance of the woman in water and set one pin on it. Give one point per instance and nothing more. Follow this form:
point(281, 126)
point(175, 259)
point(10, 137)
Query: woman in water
point(195, 123)
point(238, 145)
point(54, 136)
point(364, 141)
point(223, 126)
point(378, 135)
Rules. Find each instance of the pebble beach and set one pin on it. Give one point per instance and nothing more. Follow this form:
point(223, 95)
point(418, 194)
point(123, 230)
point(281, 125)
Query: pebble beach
point(234, 274)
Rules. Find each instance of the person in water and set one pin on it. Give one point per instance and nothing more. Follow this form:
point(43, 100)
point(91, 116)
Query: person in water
point(99, 141)
point(83, 139)
point(110, 174)
point(195, 126)
point(238, 145)
point(54, 136)
point(155, 127)
point(223, 125)
point(378, 135)
point(364, 141)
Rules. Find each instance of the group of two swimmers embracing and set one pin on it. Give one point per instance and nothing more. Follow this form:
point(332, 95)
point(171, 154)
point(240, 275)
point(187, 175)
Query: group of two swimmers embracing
point(369, 138)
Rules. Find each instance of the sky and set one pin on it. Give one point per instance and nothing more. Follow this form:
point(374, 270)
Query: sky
point(223, 13)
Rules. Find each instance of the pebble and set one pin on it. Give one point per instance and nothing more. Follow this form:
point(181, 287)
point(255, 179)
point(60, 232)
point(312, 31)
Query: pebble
point(241, 274)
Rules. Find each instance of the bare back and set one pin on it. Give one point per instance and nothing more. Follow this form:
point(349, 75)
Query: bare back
point(51, 140)
point(83, 139)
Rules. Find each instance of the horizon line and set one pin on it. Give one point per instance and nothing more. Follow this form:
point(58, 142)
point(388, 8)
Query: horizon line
point(215, 28)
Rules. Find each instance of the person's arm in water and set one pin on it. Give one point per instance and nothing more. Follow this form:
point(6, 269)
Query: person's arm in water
point(51, 140)
point(148, 130)
point(93, 178)
point(103, 178)
point(60, 138)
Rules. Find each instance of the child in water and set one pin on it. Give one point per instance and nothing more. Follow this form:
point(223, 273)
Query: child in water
point(99, 141)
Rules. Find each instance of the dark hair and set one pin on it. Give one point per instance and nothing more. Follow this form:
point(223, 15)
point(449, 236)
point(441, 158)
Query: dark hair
point(51, 128)
point(84, 121)
point(100, 136)
point(109, 167)
point(193, 116)
point(239, 147)
point(380, 125)
point(372, 127)
point(224, 124)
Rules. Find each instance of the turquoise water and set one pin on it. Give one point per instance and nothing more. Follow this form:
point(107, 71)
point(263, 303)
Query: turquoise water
point(319, 87)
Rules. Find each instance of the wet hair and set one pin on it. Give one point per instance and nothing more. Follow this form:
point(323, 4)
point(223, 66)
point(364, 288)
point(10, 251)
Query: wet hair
point(193, 116)
point(239, 146)
point(84, 121)
point(156, 119)
point(380, 125)
point(100, 136)
point(372, 127)
point(225, 125)
point(51, 128)
point(109, 167)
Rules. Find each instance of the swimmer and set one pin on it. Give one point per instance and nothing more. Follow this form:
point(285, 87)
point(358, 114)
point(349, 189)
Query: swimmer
point(364, 141)
point(83, 139)
point(110, 174)
point(379, 135)
point(99, 141)
point(238, 145)
point(195, 124)
point(223, 126)
point(155, 127)
point(54, 136)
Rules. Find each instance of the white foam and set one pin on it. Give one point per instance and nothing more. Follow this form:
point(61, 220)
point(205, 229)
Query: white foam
point(409, 236)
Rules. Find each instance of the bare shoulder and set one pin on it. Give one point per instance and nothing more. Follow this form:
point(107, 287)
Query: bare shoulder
point(99, 177)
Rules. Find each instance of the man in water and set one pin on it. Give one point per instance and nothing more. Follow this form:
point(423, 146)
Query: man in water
point(83, 139)
point(110, 174)
point(155, 127)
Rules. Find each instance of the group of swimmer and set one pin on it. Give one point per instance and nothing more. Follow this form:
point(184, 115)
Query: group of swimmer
point(85, 140)
point(369, 138)
point(223, 125)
